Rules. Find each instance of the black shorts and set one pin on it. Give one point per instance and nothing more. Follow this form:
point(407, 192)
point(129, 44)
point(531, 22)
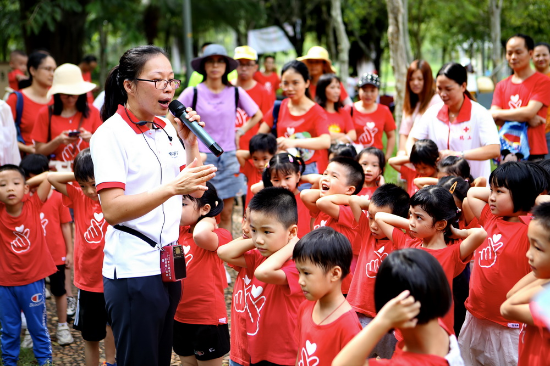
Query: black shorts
point(91, 316)
point(205, 342)
point(57, 281)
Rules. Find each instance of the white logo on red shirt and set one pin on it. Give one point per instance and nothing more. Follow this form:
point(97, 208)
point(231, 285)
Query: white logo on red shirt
point(488, 255)
point(373, 265)
point(367, 137)
point(239, 297)
point(240, 118)
point(514, 102)
point(188, 256)
point(289, 131)
point(21, 243)
point(321, 224)
point(255, 306)
point(306, 358)
point(94, 234)
point(44, 222)
point(70, 151)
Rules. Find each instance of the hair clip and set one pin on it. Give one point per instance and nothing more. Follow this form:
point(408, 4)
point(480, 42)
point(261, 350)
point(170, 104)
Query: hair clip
point(290, 158)
point(267, 165)
point(453, 187)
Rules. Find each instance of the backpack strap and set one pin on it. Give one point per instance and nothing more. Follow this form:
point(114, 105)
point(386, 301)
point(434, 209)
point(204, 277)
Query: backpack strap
point(18, 114)
point(50, 112)
point(275, 113)
point(195, 95)
point(236, 97)
point(351, 110)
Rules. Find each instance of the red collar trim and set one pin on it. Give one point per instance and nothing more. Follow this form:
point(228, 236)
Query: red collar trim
point(464, 115)
point(137, 129)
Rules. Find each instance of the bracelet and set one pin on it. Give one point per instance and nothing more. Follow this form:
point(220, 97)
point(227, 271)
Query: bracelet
point(462, 155)
point(239, 132)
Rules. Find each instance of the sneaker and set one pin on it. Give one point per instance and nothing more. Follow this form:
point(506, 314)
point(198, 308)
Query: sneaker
point(27, 340)
point(105, 363)
point(63, 335)
point(71, 306)
point(48, 293)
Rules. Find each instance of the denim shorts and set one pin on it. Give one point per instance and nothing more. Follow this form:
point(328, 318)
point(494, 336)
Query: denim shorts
point(227, 184)
point(310, 169)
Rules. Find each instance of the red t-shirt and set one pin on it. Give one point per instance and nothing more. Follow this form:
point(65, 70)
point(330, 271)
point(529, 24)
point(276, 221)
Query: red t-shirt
point(343, 92)
point(304, 218)
point(89, 239)
point(239, 343)
point(408, 174)
point(87, 76)
point(271, 83)
point(253, 176)
point(372, 253)
point(24, 254)
point(499, 263)
point(53, 214)
point(272, 314)
point(59, 124)
point(261, 97)
point(402, 240)
point(340, 122)
point(28, 117)
point(534, 343)
point(367, 191)
point(371, 126)
point(202, 298)
point(319, 344)
point(12, 78)
point(508, 95)
point(311, 124)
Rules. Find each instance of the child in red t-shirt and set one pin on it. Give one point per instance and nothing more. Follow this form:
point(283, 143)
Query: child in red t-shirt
point(18, 65)
point(411, 294)
point(273, 294)
point(90, 229)
point(534, 340)
point(373, 162)
point(56, 222)
point(432, 213)
point(327, 322)
point(514, 188)
point(24, 263)
point(201, 332)
point(424, 157)
point(253, 161)
point(374, 247)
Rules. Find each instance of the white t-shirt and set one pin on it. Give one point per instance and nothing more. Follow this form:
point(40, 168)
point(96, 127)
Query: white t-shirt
point(474, 127)
point(124, 157)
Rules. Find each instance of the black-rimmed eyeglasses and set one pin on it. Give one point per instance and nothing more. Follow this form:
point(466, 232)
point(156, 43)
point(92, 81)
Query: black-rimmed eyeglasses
point(163, 84)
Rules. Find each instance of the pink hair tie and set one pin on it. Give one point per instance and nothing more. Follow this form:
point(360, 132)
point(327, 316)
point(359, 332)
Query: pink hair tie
point(290, 158)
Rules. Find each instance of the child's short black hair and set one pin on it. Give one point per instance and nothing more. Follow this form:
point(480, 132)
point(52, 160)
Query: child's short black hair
point(278, 203)
point(460, 190)
point(209, 197)
point(356, 176)
point(439, 203)
point(541, 213)
point(457, 166)
point(394, 197)
point(376, 152)
point(344, 150)
point(420, 273)
point(8, 167)
point(545, 164)
point(326, 248)
point(525, 181)
point(424, 151)
point(84, 166)
point(34, 164)
point(263, 142)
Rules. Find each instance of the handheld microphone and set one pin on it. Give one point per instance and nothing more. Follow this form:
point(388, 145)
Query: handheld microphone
point(178, 110)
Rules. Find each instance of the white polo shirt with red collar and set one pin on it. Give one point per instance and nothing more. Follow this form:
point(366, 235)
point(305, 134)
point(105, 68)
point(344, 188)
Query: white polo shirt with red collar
point(473, 127)
point(137, 159)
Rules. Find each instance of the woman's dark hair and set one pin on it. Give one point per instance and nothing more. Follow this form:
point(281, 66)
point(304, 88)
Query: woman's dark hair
point(457, 166)
point(376, 152)
point(34, 61)
point(428, 90)
point(524, 180)
point(460, 190)
point(84, 166)
point(34, 164)
point(300, 68)
point(345, 150)
point(424, 152)
point(321, 90)
point(81, 105)
point(420, 273)
point(130, 66)
point(439, 203)
point(225, 79)
point(326, 248)
point(457, 73)
point(209, 197)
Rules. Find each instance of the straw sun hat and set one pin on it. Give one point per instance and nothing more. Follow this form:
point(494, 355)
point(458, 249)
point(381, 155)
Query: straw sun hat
point(319, 53)
point(67, 79)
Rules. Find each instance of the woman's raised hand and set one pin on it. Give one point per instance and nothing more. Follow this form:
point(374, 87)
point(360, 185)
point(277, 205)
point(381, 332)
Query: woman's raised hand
point(184, 133)
point(193, 178)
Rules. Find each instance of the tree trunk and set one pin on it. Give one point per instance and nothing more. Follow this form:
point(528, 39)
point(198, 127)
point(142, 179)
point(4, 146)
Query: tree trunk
point(343, 41)
point(495, 7)
point(103, 54)
point(405, 32)
point(397, 53)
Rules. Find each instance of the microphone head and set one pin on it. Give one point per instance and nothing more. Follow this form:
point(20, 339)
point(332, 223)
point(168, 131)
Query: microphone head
point(176, 108)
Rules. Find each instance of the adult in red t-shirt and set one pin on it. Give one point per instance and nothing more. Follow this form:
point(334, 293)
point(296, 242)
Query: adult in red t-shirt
point(87, 66)
point(35, 97)
point(269, 78)
point(524, 96)
point(371, 119)
point(247, 68)
point(65, 129)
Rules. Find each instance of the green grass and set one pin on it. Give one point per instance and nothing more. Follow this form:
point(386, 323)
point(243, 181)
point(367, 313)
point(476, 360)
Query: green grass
point(26, 358)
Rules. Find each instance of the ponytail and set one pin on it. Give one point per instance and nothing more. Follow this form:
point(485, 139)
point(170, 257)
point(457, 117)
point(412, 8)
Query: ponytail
point(115, 94)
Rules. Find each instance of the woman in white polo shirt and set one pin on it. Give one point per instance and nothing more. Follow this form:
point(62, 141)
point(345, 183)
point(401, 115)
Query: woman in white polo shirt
point(137, 162)
point(459, 126)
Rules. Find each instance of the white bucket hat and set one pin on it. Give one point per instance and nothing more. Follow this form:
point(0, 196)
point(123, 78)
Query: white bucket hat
point(67, 79)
